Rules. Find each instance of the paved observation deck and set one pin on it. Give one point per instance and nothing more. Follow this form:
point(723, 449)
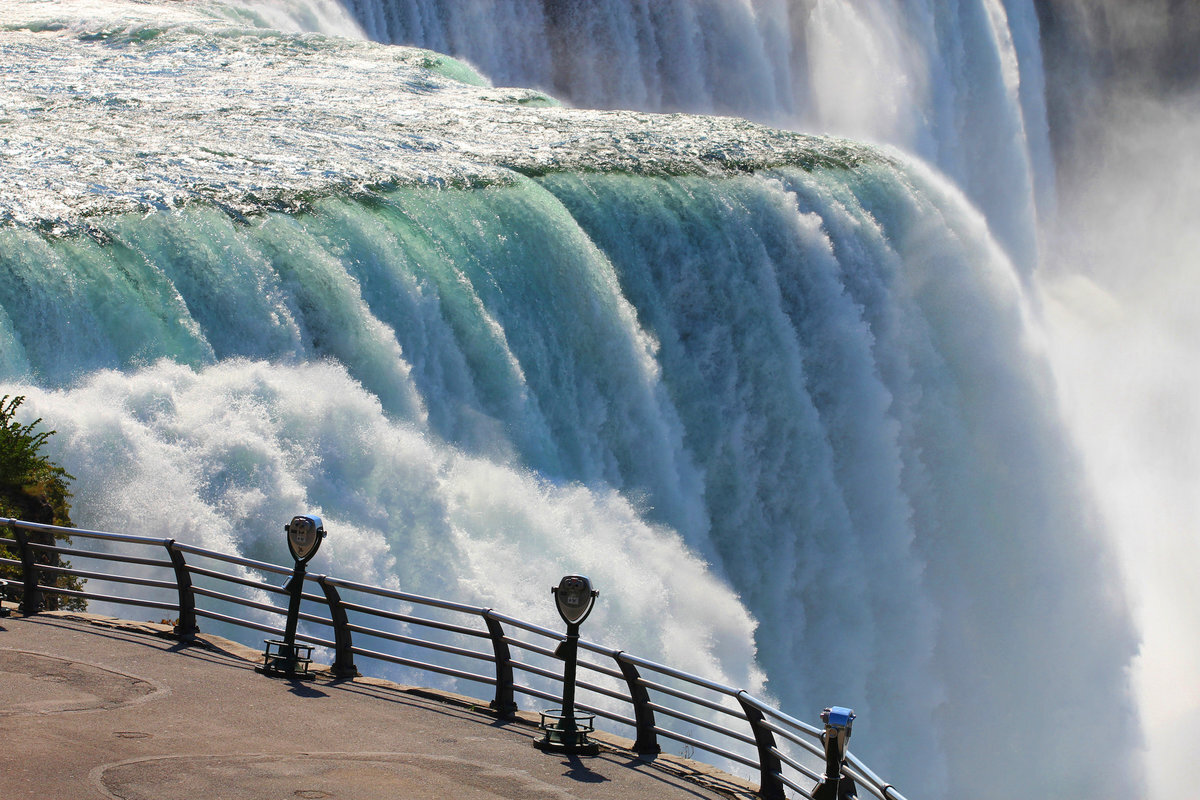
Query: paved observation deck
point(92, 707)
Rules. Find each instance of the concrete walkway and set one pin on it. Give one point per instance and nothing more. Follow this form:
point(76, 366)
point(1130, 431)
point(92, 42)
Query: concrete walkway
point(97, 708)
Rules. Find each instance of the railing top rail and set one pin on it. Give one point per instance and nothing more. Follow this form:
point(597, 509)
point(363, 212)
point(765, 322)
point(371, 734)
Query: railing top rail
point(771, 711)
point(533, 628)
point(240, 561)
point(863, 772)
point(84, 532)
point(379, 591)
point(663, 669)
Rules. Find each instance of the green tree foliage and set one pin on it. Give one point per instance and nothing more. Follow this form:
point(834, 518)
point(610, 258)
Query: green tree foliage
point(34, 489)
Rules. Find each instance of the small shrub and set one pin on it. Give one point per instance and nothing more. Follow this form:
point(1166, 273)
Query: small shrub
point(34, 489)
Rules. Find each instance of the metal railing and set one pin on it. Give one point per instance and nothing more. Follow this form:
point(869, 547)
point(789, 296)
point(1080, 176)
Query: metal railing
point(650, 700)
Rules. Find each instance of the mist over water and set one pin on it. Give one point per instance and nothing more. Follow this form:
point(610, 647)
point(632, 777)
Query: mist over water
point(806, 394)
point(1121, 309)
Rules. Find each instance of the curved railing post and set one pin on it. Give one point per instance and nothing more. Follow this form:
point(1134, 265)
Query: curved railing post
point(343, 660)
point(504, 704)
point(643, 715)
point(770, 787)
point(31, 595)
point(185, 627)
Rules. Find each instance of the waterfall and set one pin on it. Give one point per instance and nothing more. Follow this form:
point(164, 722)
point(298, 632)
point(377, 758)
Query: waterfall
point(792, 390)
point(958, 84)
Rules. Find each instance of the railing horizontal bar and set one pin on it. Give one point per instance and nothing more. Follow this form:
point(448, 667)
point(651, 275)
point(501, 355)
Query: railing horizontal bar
point(706, 746)
point(779, 715)
point(51, 568)
point(538, 693)
point(107, 598)
point(10, 561)
point(876, 791)
point(601, 669)
point(408, 662)
point(240, 581)
point(796, 765)
point(306, 617)
point(591, 687)
point(317, 640)
point(545, 673)
point(427, 623)
point(270, 609)
point(445, 648)
point(75, 552)
point(795, 787)
point(245, 623)
point(228, 559)
point(813, 747)
point(691, 698)
point(864, 775)
point(608, 652)
point(533, 648)
point(601, 712)
point(239, 601)
point(411, 598)
point(703, 723)
point(529, 626)
point(662, 669)
point(104, 576)
point(884, 791)
point(44, 547)
point(112, 537)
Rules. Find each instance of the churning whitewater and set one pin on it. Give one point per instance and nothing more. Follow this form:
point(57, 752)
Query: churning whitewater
point(779, 395)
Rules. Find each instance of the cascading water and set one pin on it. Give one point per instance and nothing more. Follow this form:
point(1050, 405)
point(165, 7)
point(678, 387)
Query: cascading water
point(786, 387)
point(958, 84)
point(962, 86)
